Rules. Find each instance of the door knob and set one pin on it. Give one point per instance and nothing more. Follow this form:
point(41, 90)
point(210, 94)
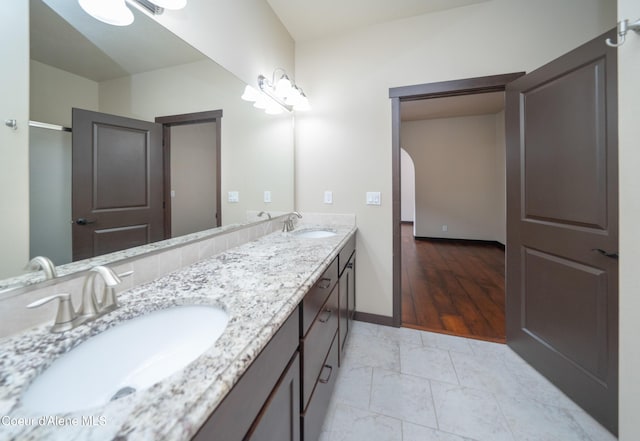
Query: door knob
point(84, 221)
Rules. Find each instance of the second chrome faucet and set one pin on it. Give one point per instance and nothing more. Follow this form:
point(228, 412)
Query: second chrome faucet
point(288, 224)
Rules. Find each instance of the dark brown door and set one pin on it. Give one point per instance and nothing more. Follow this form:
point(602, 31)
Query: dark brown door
point(117, 180)
point(562, 214)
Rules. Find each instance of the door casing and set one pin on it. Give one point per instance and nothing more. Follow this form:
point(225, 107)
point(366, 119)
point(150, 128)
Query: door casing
point(214, 116)
point(469, 86)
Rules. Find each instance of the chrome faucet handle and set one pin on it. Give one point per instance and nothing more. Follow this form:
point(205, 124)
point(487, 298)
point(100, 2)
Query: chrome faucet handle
point(109, 300)
point(264, 212)
point(66, 317)
point(45, 264)
point(108, 275)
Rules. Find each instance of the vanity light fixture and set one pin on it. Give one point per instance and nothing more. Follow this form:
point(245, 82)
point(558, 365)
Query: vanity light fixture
point(278, 94)
point(116, 12)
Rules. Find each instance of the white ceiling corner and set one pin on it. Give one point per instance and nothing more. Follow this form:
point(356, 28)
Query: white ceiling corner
point(310, 19)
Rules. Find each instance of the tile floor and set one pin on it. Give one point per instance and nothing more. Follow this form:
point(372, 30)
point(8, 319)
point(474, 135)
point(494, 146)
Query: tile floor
point(408, 385)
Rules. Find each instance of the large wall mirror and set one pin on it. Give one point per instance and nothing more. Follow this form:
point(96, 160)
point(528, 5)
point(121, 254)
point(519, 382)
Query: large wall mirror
point(143, 72)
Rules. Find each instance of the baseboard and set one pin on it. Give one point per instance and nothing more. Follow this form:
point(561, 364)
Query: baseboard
point(493, 243)
point(373, 318)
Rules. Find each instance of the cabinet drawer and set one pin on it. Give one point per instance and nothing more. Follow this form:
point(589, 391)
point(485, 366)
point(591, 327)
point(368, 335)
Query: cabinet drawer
point(345, 253)
point(242, 404)
point(313, 417)
point(317, 296)
point(315, 346)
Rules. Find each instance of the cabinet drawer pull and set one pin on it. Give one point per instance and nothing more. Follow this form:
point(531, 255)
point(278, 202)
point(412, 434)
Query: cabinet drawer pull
point(326, 380)
point(350, 265)
point(326, 318)
point(324, 283)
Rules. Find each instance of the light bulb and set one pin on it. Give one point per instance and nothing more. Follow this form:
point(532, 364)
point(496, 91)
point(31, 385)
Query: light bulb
point(170, 4)
point(113, 12)
point(283, 87)
point(261, 102)
point(302, 104)
point(250, 94)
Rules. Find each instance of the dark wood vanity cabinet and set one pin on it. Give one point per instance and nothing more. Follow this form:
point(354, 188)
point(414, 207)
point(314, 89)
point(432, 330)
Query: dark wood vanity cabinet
point(279, 419)
point(284, 395)
point(347, 286)
point(259, 401)
point(319, 351)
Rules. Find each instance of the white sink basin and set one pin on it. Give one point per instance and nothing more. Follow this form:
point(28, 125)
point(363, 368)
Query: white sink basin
point(314, 233)
point(131, 356)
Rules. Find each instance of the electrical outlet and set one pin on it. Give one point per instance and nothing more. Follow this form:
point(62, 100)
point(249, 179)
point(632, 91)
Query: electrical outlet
point(267, 196)
point(445, 228)
point(234, 197)
point(328, 197)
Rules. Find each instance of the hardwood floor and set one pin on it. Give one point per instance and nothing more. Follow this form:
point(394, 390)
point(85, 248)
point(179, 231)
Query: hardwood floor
point(453, 287)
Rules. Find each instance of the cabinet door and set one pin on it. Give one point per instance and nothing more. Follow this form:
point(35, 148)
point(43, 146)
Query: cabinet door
point(279, 419)
point(344, 312)
point(347, 301)
point(351, 296)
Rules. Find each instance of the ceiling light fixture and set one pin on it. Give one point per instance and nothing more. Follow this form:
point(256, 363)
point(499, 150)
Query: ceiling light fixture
point(280, 90)
point(113, 12)
point(116, 12)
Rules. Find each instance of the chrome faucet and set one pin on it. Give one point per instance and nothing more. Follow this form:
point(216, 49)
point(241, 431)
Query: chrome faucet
point(68, 318)
point(288, 224)
point(264, 212)
point(45, 264)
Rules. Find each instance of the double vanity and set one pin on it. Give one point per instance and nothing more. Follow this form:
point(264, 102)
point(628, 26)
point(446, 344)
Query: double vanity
point(243, 345)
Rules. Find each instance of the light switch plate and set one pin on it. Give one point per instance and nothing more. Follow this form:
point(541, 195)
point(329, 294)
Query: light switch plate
point(373, 198)
point(328, 197)
point(234, 196)
point(267, 196)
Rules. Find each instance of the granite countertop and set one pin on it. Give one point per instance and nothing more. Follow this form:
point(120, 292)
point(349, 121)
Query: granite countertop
point(259, 284)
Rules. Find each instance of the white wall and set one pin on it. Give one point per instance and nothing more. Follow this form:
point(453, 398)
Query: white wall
point(407, 187)
point(257, 149)
point(245, 37)
point(456, 176)
point(345, 141)
point(54, 92)
point(629, 134)
point(14, 145)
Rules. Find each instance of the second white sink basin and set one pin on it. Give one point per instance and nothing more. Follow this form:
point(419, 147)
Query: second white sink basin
point(316, 233)
point(131, 356)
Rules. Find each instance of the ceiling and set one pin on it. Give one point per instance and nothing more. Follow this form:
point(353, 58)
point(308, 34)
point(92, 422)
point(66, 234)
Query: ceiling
point(84, 46)
point(309, 19)
point(451, 107)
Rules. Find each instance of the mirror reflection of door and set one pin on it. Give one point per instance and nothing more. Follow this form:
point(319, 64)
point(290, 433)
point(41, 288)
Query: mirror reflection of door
point(192, 184)
point(117, 183)
point(194, 191)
